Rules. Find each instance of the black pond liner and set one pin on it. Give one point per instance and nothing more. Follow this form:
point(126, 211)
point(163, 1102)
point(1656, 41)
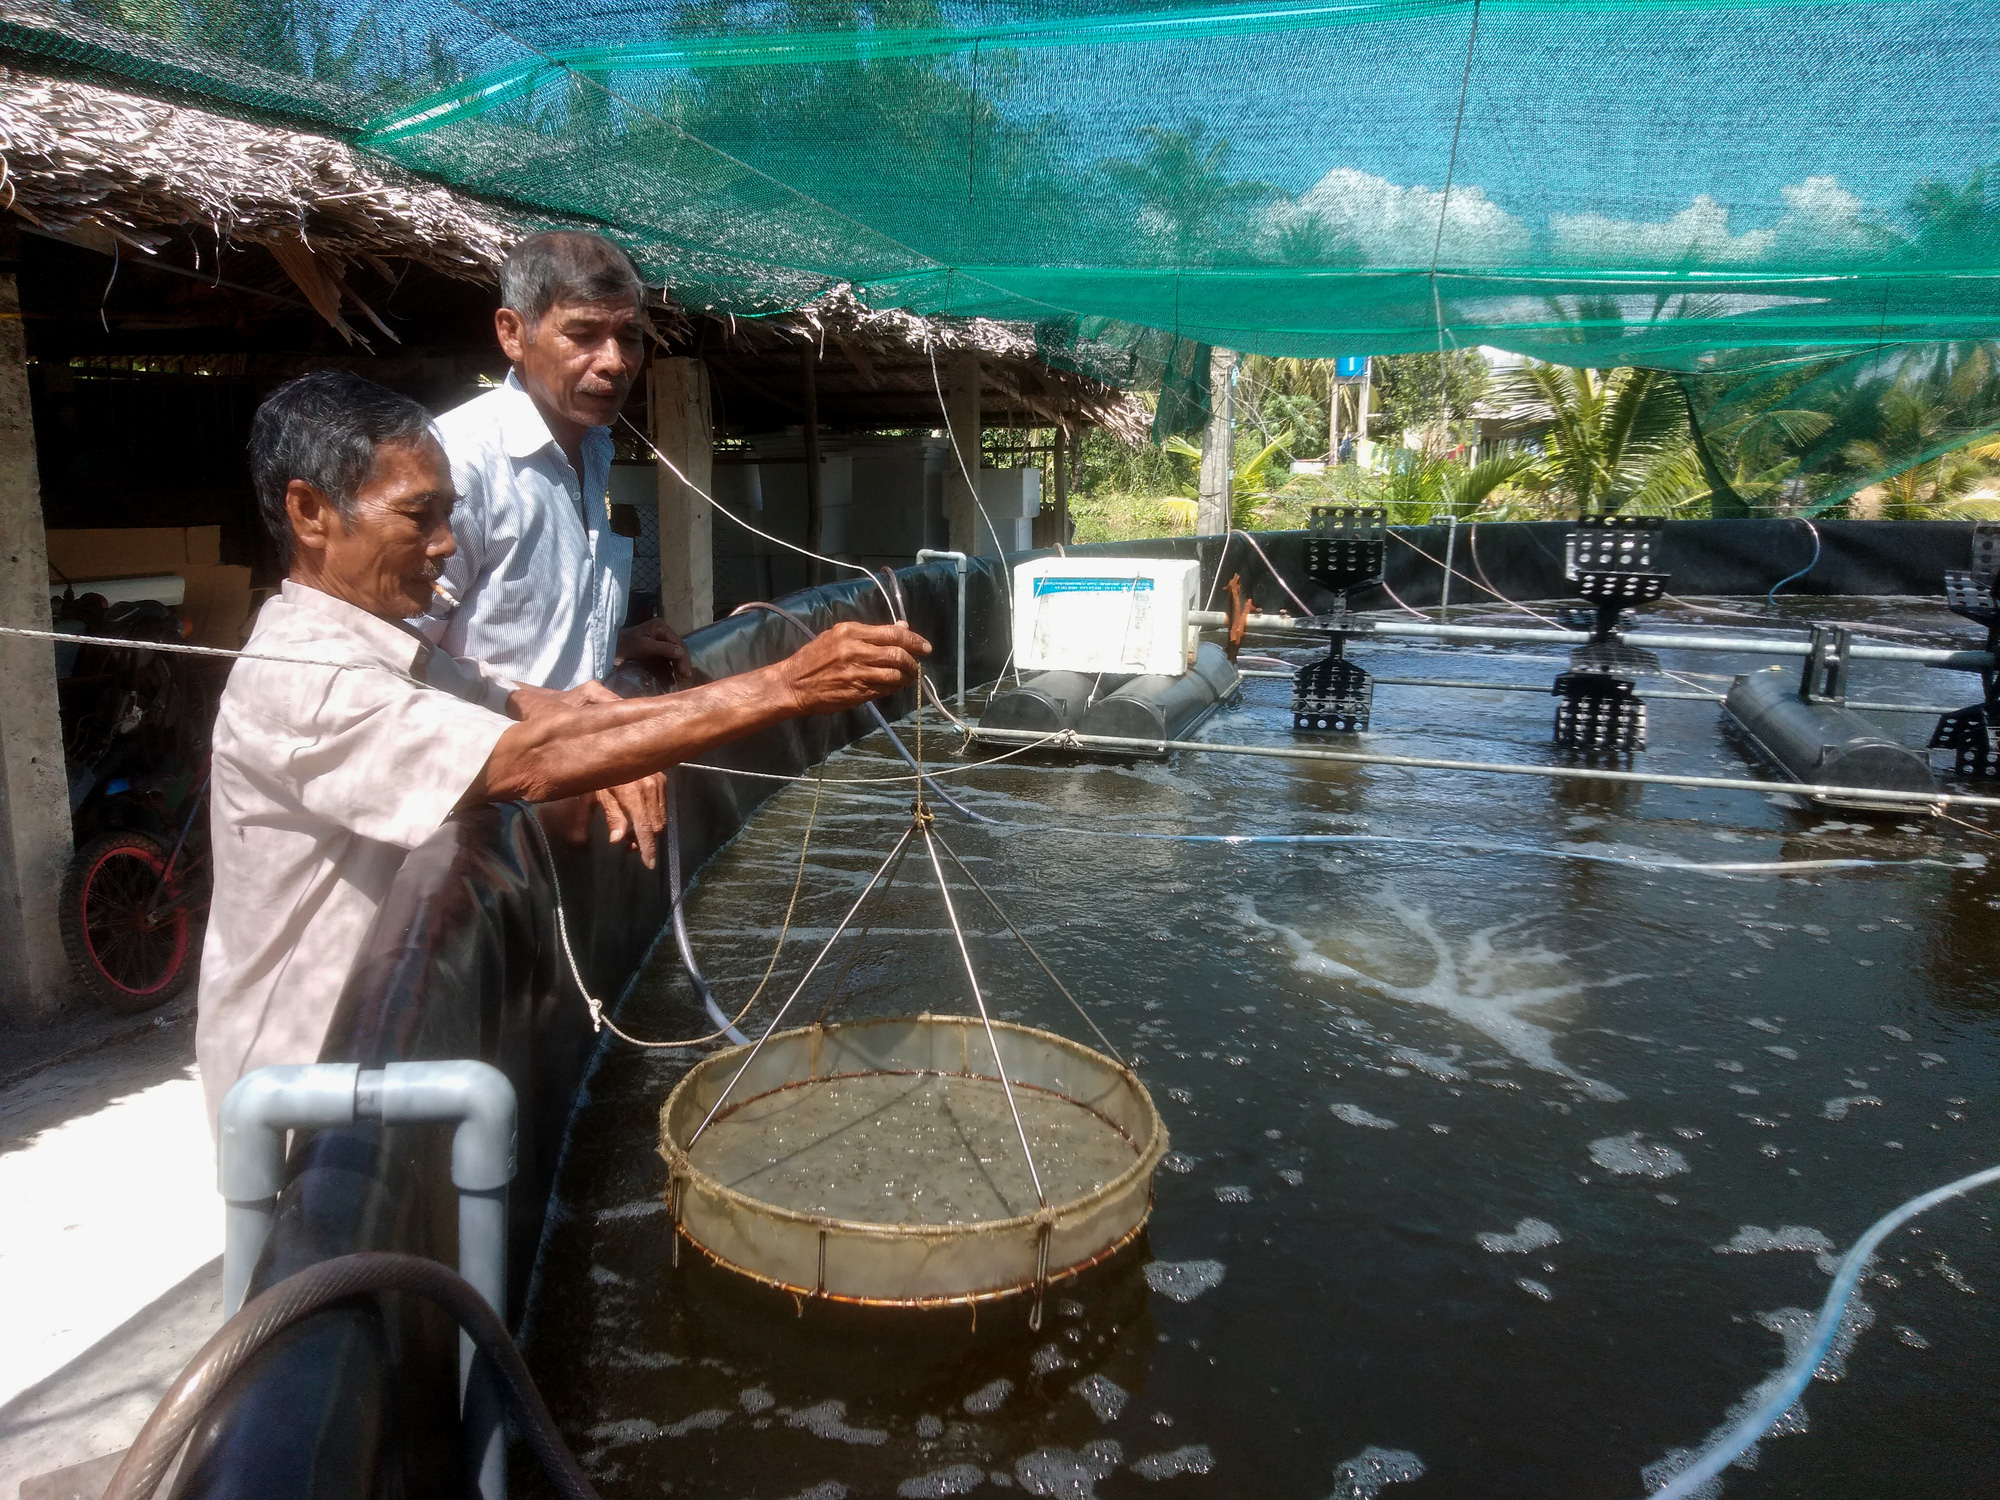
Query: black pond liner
point(462, 962)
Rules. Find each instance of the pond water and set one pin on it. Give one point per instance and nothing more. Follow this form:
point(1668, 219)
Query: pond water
point(1508, 1154)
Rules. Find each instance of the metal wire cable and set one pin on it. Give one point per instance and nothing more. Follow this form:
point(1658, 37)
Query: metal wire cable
point(718, 506)
point(1486, 583)
point(1464, 578)
point(1216, 582)
point(799, 988)
point(1002, 915)
point(972, 979)
point(177, 648)
point(599, 1020)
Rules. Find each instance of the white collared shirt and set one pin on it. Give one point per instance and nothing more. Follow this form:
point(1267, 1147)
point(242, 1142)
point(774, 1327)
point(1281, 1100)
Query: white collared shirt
point(323, 779)
point(540, 577)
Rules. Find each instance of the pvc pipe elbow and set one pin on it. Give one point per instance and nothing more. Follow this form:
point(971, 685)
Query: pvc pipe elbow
point(477, 1096)
point(261, 1107)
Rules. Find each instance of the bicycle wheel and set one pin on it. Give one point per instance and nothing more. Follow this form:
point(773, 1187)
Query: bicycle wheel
point(129, 960)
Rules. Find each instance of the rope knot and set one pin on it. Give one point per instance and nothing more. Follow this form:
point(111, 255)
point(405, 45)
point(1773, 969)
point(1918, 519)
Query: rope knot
point(922, 816)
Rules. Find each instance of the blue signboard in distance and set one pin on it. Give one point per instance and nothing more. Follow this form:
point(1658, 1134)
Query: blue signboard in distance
point(1350, 366)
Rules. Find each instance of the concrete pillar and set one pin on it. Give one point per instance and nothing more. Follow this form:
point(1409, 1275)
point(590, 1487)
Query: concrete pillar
point(1218, 441)
point(34, 790)
point(961, 409)
point(681, 430)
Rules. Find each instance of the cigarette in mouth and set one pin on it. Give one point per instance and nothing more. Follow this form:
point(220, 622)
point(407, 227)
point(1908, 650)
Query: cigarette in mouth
point(450, 599)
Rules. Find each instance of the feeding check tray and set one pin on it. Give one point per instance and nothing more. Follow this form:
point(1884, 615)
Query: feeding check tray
point(878, 1161)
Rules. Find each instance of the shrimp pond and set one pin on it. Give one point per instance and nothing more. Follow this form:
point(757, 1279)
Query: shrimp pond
point(1516, 1130)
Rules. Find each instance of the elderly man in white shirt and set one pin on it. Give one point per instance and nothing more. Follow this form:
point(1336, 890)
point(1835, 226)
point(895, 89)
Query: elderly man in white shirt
point(344, 740)
point(538, 587)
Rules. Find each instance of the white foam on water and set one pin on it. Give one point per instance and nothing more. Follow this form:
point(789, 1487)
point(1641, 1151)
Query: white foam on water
point(1795, 1326)
point(929, 1426)
point(626, 1430)
point(1536, 1289)
point(1066, 1473)
point(1480, 983)
point(826, 1489)
point(1896, 1033)
point(1751, 1240)
point(1789, 1054)
point(1178, 1162)
point(1632, 1155)
point(701, 1421)
point(1354, 1114)
point(1764, 1026)
point(959, 1479)
point(1232, 1193)
point(757, 1399)
point(1292, 1176)
point(1529, 1234)
point(1911, 1337)
point(1049, 1358)
point(1183, 1280)
point(1193, 1459)
point(1363, 1476)
point(1105, 1398)
point(1441, 1068)
point(988, 1397)
point(828, 1420)
point(645, 1208)
point(1836, 1109)
point(1951, 1274)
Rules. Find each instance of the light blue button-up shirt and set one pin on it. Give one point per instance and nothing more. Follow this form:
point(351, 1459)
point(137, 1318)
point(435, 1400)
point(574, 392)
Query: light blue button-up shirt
point(540, 577)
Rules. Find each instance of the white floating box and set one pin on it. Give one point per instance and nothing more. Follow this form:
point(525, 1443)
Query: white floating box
point(1123, 615)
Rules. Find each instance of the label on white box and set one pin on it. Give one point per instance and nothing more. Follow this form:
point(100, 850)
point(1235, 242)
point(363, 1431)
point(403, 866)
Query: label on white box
point(1104, 614)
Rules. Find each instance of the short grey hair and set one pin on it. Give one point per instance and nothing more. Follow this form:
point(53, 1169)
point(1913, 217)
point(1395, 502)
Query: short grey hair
point(324, 428)
point(566, 265)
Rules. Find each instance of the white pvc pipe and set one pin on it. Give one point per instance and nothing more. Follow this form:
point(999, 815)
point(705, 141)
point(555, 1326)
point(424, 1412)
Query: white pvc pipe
point(927, 554)
point(475, 1097)
point(1964, 661)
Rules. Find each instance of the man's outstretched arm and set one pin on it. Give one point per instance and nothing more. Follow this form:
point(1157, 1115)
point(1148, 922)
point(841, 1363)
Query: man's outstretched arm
point(562, 753)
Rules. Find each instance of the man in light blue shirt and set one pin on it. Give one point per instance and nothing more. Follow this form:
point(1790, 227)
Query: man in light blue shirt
point(537, 588)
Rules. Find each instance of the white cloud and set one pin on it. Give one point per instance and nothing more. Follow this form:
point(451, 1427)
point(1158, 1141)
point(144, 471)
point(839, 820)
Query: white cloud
point(1391, 225)
point(1699, 233)
point(1820, 217)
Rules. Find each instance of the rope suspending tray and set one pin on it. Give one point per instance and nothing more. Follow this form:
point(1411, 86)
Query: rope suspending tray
point(911, 1161)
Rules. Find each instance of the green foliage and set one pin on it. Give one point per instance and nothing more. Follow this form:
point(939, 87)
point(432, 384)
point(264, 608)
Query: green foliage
point(1618, 440)
point(1430, 393)
point(1249, 481)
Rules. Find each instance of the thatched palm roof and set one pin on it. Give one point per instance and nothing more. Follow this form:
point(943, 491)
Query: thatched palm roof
point(114, 170)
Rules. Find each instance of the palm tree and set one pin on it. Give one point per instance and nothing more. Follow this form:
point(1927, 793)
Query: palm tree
point(1422, 488)
point(1187, 203)
point(1618, 439)
point(1248, 483)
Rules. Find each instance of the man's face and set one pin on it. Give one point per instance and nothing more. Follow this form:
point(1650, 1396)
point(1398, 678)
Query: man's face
point(579, 362)
point(384, 557)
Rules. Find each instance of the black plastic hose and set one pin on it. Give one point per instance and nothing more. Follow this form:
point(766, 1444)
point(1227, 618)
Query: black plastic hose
point(299, 1296)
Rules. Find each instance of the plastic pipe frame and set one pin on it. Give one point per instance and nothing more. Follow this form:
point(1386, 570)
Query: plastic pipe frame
point(475, 1097)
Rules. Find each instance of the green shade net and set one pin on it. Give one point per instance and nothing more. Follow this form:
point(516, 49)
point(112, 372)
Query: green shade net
point(1706, 186)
